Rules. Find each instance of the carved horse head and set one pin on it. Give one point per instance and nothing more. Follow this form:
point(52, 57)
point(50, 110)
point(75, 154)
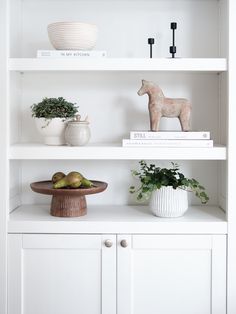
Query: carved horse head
point(150, 88)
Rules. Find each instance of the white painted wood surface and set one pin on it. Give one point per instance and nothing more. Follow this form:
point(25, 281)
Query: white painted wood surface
point(169, 274)
point(4, 165)
point(124, 276)
point(61, 274)
point(14, 275)
point(119, 64)
point(114, 152)
point(71, 269)
point(118, 219)
point(231, 217)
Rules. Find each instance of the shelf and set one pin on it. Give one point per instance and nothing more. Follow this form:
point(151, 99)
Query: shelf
point(118, 219)
point(114, 152)
point(128, 64)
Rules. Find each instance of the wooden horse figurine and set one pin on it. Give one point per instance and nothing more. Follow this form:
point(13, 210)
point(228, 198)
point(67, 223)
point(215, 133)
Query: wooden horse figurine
point(160, 106)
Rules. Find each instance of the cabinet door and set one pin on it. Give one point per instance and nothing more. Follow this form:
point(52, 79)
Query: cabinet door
point(171, 274)
point(61, 274)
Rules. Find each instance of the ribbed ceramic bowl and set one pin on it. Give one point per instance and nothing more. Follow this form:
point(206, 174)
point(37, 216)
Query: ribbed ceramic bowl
point(72, 35)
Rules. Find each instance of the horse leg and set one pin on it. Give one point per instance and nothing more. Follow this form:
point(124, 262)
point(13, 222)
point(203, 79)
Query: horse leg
point(185, 119)
point(155, 117)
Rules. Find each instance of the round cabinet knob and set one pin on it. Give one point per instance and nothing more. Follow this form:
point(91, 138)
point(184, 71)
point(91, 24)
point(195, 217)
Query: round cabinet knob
point(124, 243)
point(108, 243)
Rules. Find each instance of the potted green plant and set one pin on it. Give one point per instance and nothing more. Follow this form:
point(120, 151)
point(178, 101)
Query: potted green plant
point(51, 115)
point(166, 188)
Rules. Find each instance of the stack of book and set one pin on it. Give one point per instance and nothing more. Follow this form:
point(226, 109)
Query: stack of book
point(168, 139)
point(71, 54)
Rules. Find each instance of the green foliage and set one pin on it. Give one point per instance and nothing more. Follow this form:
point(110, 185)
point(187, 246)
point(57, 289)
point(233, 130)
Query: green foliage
point(153, 178)
point(50, 108)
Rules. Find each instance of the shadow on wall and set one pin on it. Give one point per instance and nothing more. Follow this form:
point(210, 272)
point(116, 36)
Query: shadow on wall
point(133, 117)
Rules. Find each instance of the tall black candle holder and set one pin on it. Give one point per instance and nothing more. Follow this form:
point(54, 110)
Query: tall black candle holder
point(173, 49)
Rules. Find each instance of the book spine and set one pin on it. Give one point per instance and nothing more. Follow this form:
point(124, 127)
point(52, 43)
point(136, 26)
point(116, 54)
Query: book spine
point(70, 54)
point(167, 143)
point(165, 135)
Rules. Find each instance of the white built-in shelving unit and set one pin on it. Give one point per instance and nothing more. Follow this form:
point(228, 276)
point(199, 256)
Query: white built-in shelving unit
point(106, 90)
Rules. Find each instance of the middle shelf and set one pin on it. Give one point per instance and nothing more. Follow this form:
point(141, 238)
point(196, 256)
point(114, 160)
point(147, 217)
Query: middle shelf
point(115, 152)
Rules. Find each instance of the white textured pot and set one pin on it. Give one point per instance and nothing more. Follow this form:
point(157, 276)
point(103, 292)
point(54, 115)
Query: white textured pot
point(72, 35)
point(168, 202)
point(77, 133)
point(52, 130)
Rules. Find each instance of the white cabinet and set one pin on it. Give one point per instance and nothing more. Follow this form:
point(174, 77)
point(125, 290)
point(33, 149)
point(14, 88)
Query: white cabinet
point(138, 274)
point(171, 274)
point(59, 274)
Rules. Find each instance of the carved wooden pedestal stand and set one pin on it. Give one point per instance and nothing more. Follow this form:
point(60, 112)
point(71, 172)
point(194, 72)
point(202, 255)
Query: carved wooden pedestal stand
point(68, 202)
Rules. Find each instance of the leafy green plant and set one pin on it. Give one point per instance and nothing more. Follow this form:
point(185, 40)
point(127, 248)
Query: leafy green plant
point(152, 178)
point(50, 108)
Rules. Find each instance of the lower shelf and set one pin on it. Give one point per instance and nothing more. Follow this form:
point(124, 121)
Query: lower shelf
point(118, 219)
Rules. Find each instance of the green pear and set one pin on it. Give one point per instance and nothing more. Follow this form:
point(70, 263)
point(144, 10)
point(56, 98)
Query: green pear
point(72, 180)
point(57, 176)
point(76, 174)
point(86, 183)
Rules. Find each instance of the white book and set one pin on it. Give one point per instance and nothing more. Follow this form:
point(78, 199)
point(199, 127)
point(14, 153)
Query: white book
point(170, 135)
point(167, 143)
point(71, 54)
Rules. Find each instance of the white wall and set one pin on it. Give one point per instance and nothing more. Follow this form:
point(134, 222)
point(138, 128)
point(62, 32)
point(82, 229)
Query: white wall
point(116, 173)
point(112, 103)
point(124, 26)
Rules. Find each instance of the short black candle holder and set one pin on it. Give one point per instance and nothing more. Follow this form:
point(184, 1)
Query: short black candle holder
point(151, 42)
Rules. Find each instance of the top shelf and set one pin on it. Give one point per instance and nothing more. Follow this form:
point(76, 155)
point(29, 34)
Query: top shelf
point(215, 65)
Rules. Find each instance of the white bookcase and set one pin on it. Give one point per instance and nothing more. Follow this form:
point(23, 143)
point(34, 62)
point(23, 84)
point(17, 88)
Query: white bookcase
point(106, 90)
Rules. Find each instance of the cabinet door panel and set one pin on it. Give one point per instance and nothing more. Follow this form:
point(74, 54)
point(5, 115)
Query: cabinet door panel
point(172, 274)
point(62, 274)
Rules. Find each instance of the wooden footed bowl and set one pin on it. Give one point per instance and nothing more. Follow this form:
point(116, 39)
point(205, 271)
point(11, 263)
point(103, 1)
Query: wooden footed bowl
point(68, 202)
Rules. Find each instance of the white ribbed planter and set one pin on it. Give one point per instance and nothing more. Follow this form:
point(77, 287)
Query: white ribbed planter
point(52, 130)
point(167, 202)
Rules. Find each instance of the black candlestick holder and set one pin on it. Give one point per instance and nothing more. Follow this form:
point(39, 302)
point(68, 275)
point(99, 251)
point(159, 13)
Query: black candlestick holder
point(173, 49)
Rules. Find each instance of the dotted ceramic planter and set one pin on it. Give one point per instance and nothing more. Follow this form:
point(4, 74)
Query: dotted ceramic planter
point(52, 130)
point(167, 202)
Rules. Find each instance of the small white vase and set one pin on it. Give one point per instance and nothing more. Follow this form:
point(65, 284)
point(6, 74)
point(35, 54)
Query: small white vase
point(52, 130)
point(168, 202)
